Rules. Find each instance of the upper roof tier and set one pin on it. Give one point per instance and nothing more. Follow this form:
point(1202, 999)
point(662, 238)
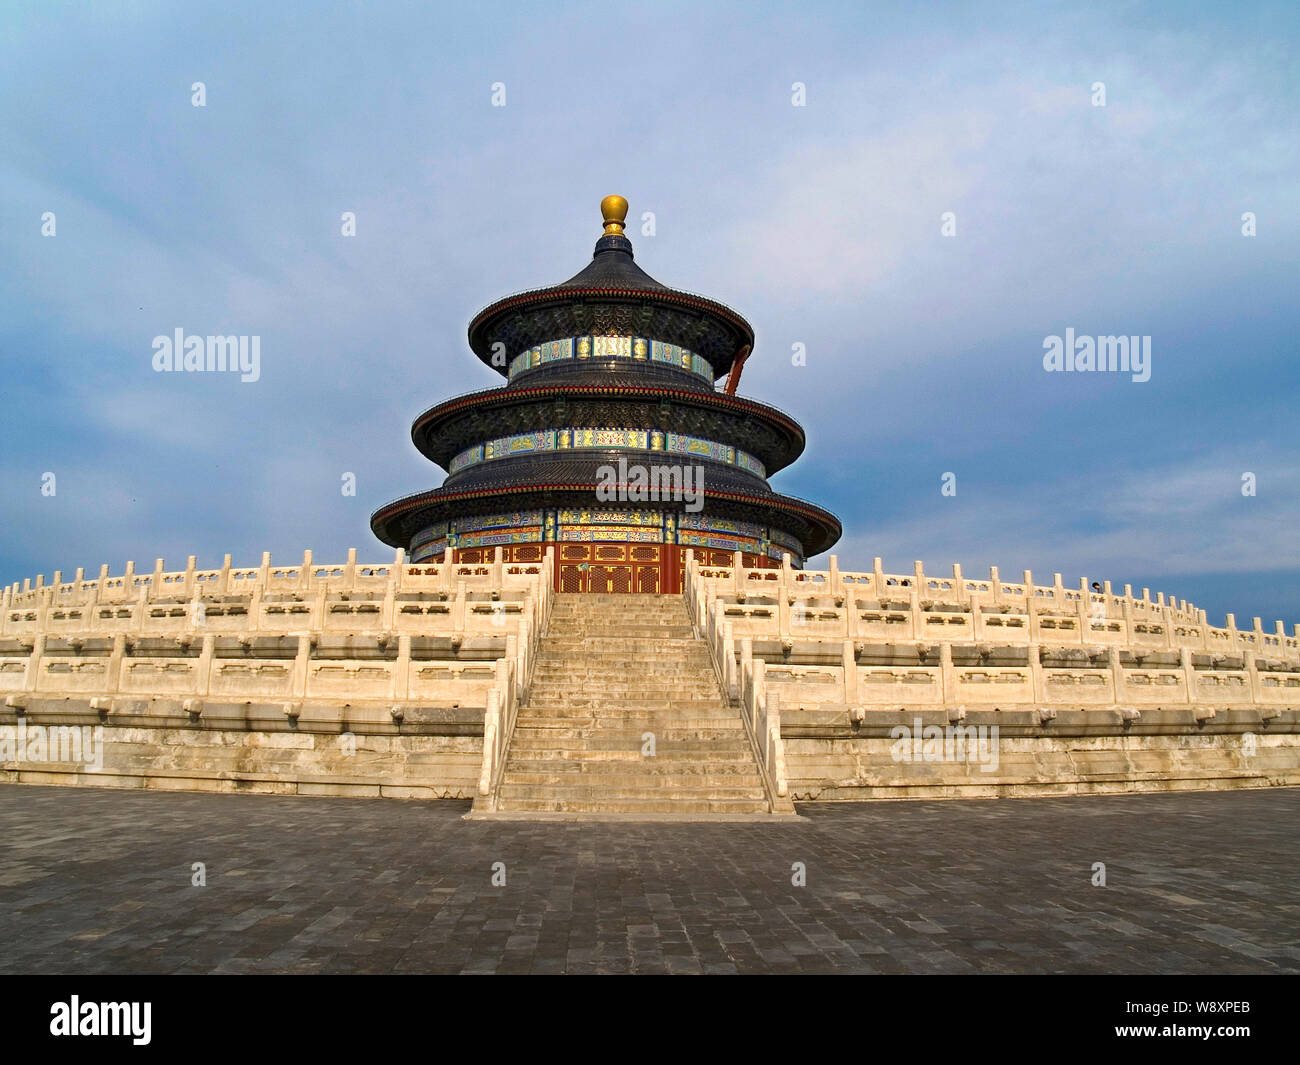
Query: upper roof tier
point(610, 296)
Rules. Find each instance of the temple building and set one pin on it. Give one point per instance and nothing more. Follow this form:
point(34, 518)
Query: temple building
point(617, 457)
point(613, 446)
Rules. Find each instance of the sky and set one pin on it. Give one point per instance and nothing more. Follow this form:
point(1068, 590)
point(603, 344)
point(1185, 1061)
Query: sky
point(1111, 213)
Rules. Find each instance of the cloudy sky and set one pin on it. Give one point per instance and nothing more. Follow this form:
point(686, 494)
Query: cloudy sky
point(821, 224)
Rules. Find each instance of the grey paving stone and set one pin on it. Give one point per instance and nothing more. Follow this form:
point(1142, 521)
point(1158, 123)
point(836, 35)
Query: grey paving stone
point(99, 882)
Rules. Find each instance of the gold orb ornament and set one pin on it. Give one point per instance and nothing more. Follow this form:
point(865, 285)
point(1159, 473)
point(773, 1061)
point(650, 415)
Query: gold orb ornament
point(614, 211)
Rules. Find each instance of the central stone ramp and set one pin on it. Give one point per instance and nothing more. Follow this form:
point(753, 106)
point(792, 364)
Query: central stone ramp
point(616, 677)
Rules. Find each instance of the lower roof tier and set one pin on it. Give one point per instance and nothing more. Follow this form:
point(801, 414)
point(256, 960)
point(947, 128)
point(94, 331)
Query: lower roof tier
point(790, 520)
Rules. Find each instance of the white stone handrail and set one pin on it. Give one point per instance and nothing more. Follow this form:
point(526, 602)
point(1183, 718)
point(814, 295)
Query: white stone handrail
point(741, 680)
point(759, 708)
point(309, 576)
point(505, 698)
point(498, 726)
point(266, 599)
point(1093, 649)
point(829, 603)
point(293, 634)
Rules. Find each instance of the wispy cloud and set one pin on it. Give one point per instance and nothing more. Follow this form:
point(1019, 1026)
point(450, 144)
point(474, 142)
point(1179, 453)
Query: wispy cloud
point(821, 224)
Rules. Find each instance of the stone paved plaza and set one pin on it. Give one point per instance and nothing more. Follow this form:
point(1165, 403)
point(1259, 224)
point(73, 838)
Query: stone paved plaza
point(99, 881)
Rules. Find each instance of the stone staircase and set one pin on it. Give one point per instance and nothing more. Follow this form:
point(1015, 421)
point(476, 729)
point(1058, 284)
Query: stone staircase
point(613, 673)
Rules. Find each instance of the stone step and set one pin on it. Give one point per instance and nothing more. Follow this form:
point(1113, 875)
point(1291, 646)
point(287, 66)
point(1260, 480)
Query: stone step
point(606, 791)
point(639, 706)
point(603, 632)
point(621, 606)
point(559, 648)
point(630, 679)
point(696, 682)
point(651, 704)
point(689, 692)
point(683, 710)
point(619, 765)
point(533, 747)
point(637, 618)
point(612, 631)
point(615, 639)
point(663, 728)
point(642, 671)
point(598, 665)
point(620, 603)
point(594, 654)
point(602, 666)
point(638, 806)
point(615, 597)
point(640, 663)
point(594, 752)
point(542, 785)
point(645, 648)
point(602, 748)
point(646, 600)
point(658, 726)
point(688, 685)
point(565, 770)
point(568, 608)
point(596, 697)
point(629, 617)
point(632, 635)
point(628, 733)
point(673, 629)
point(630, 691)
point(589, 601)
point(630, 717)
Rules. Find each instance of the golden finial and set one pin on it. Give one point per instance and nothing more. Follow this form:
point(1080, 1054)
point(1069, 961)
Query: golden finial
point(614, 211)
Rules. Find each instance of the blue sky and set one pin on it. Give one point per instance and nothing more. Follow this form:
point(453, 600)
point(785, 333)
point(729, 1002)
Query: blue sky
point(819, 223)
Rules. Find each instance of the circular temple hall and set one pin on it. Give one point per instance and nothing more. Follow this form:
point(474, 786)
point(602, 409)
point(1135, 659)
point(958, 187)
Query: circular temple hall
point(614, 444)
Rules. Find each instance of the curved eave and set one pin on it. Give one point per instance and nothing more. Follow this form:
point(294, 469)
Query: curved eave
point(541, 298)
point(425, 428)
point(826, 525)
